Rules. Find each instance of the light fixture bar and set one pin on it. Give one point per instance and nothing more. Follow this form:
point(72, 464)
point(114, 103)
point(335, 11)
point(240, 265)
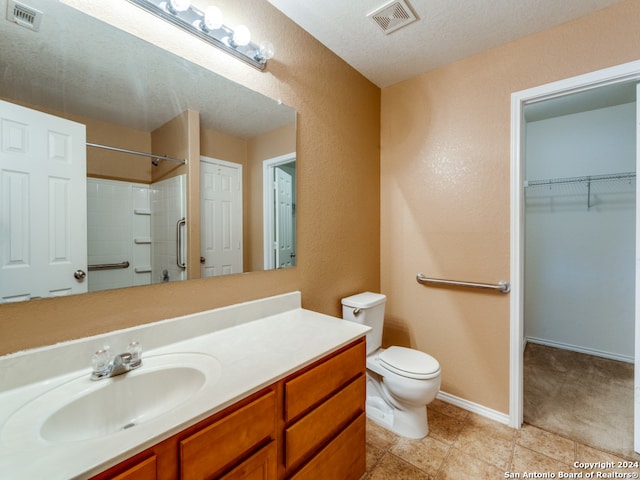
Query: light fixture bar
point(191, 20)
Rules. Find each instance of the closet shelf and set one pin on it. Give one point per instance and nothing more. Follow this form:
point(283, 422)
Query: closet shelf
point(585, 179)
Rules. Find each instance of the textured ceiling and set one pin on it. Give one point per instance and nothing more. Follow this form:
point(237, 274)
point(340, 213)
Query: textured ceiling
point(446, 30)
point(79, 65)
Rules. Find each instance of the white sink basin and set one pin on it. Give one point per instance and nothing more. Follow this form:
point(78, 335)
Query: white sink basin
point(82, 409)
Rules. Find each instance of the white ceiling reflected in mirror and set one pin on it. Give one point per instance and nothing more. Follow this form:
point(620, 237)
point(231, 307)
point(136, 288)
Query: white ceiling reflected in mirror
point(140, 119)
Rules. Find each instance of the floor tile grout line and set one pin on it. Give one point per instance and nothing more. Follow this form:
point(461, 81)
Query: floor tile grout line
point(443, 464)
point(450, 439)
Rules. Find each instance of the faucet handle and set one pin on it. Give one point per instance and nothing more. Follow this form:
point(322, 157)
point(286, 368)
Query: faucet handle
point(100, 361)
point(135, 350)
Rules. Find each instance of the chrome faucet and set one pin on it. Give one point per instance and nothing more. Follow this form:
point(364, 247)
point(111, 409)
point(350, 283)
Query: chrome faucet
point(104, 366)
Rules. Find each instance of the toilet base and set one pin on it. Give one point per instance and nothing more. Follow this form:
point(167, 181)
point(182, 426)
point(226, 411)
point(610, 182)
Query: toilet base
point(409, 422)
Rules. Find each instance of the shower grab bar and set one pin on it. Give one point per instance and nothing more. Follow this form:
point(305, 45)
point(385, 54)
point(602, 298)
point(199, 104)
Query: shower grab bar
point(135, 152)
point(108, 266)
point(503, 286)
point(179, 260)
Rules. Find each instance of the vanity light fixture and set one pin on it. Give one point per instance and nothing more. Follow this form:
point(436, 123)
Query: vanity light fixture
point(209, 26)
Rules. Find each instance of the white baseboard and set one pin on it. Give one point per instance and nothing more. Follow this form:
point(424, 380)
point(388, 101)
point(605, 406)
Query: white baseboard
point(474, 407)
point(575, 348)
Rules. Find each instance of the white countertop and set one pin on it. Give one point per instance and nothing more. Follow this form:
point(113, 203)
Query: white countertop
point(252, 353)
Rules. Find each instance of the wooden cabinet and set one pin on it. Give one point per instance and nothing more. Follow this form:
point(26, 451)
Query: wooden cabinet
point(320, 381)
point(342, 458)
point(320, 405)
point(309, 425)
point(144, 470)
point(325, 422)
point(239, 440)
point(260, 466)
point(211, 449)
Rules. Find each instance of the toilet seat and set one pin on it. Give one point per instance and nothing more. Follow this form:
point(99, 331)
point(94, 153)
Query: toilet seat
point(409, 363)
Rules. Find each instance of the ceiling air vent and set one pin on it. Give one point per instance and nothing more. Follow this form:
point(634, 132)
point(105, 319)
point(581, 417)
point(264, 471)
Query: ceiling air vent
point(23, 15)
point(393, 16)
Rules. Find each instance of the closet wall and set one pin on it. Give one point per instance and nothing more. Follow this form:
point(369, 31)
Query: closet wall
point(580, 236)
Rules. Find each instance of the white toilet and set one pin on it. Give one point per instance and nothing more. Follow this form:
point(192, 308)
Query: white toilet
point(400, 381)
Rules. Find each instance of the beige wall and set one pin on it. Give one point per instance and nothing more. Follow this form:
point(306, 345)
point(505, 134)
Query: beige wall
point(172, 140)
point(272, 144)
point(223, 146)
point(445, 160)
point(180, 138)
point(338, 186)
point(103, 163)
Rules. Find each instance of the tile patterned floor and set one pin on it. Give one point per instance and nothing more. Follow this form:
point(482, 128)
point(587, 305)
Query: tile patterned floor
point(464, 445)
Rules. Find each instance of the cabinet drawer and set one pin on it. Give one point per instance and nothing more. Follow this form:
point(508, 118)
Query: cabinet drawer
point(259, 466)
point(325, 421)
point(343, 458)
point(216, 446)
point(306, 390)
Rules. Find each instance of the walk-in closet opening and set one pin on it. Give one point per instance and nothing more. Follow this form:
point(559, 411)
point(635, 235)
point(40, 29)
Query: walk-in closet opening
point(579, 266)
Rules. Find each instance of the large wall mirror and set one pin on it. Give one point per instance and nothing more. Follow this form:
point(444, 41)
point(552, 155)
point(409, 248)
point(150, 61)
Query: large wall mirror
point(141, 111)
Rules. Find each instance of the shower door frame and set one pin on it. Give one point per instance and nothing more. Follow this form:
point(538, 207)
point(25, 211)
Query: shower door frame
point(628, 72)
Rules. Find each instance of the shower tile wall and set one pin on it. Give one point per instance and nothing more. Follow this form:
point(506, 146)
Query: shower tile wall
point(118, 213)
point(168, 206)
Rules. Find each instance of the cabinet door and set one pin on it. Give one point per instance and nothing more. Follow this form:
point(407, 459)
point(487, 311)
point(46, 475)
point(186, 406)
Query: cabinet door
point(214, 448)
point(260, 466)
point(144, 470)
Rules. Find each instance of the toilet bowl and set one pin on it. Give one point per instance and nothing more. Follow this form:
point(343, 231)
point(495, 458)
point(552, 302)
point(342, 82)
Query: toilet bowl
point(400, 381)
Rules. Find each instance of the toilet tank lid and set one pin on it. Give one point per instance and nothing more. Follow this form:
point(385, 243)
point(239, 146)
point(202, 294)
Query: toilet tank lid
point(409, 362)
point(364, 300)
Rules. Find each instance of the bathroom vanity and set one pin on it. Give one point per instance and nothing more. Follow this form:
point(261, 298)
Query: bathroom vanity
point(260, 390)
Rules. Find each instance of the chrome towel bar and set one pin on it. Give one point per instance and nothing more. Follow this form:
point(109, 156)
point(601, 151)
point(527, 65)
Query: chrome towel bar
point(503, 286)
point(108, 266)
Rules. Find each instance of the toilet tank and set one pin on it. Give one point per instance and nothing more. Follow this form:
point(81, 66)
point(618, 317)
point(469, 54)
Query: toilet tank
point(366, 308)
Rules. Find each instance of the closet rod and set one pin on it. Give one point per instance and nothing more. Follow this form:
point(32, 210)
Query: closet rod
point(134, 152)
point(590, 178)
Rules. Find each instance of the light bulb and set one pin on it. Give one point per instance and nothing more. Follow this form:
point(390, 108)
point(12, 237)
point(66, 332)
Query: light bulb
point(266, 50)
point(212, 18)
point(179, 5)
point(241, 35)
